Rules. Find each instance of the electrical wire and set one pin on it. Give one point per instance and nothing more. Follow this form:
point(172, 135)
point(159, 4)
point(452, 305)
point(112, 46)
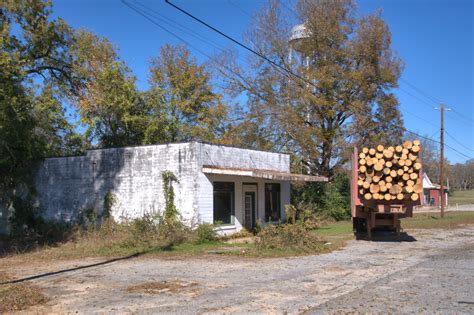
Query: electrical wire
point(455, 140)
point(254, 52)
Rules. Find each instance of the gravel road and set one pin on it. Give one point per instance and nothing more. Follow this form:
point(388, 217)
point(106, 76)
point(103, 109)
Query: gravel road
point(433, 274)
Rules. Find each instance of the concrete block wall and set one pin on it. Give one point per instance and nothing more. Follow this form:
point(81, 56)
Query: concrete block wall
point(68, 185)
point(133, 174)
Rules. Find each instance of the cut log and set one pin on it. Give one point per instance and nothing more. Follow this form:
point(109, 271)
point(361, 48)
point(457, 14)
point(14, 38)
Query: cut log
point(407, 144)
point(372, 151)
point(393, 173)
point(380, 148)
point(365, 150)
point(362, 155)
point(366, 185)
point(395, 189)
point(362, 162)
point(378, 167)
point(400, 196)
point(388, 197)
point(405, 151)
point(388, 185)
point(388, 179)
point(410, 170)
point(405, 168)
point(416, 142)
point(400, 172)
point(418, 188)
point(369, 161)
point(368, 196)
point(362, 169)
point(413, 176)
point(415, 197)
point(408, 162)
point(412, 157)
point(398, 149)
point(388, 164)
point(410, 183)
point(379, 155)
point(392, 149)
point(408, 189)
point(374, 188)
point(375, 196)
point(417, 166)
point(415, 148)
point(375, 179)
point(388, 154)
point(386, 171)
point(406, 176)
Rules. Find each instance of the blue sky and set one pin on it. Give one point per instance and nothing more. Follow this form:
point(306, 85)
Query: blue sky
point(434, 38)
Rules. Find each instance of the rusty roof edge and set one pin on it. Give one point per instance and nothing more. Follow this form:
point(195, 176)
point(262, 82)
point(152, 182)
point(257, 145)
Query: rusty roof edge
point(264, 173)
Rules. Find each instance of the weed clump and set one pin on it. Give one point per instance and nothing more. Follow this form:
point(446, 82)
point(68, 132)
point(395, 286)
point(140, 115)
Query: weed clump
point(295, 237)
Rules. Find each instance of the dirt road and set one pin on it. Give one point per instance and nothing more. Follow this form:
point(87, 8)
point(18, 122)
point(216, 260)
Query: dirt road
point(432, 274)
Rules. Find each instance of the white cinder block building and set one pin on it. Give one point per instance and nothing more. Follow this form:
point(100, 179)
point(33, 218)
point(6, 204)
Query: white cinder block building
point(233, 186)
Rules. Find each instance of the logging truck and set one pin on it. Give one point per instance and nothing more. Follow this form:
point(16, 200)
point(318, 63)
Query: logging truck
point(386, 184)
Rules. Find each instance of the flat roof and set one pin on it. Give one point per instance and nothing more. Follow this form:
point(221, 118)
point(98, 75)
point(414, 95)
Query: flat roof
point(260, 173)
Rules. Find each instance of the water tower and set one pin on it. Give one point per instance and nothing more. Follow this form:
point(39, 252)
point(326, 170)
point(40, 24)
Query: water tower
point(299, 35)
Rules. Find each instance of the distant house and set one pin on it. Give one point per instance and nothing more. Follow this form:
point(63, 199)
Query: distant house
point(216, 184)
point(432, 192)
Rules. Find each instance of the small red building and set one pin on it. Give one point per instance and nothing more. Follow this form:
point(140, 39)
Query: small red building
point(432, 194)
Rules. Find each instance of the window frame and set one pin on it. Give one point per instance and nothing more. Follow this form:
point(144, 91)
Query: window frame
point(278, 204)
point(232, 201)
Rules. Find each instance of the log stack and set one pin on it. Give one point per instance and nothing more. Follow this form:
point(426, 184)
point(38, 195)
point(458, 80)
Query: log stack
point(390, 174)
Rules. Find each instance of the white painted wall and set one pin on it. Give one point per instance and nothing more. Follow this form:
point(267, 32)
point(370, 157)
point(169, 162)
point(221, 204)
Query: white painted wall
point(68, 184)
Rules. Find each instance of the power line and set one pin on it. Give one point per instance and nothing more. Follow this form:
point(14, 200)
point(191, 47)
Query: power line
point(290, 73)
point(438, 142)
point(251, 50)
point(455, 140)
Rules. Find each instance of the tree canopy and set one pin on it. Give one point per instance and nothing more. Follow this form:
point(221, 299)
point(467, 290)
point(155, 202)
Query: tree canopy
point(345, 70)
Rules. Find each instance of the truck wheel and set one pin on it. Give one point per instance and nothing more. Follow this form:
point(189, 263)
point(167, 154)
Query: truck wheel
point(359, 225)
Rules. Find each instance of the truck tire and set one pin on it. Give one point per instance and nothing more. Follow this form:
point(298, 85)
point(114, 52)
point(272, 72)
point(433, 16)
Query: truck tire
point(359, 225)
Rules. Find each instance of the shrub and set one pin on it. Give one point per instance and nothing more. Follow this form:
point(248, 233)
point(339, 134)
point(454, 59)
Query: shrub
point(205, 233)
point(288, 236)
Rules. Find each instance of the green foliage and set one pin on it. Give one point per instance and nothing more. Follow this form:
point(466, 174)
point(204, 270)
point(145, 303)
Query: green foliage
point(181, 104)
point(205, 233)
point(109, 200)
point(325, 199)
point(171, 214)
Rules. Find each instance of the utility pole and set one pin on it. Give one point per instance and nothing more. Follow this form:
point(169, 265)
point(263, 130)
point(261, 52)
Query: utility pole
point(441, 160)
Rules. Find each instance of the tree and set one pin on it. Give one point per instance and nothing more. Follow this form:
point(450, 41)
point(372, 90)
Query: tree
point(345, 70)
point(33, 53)
point(108, 100)
point(180, 102)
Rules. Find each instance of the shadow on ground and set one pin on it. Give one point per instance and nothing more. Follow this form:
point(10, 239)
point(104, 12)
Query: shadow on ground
point(52, 273)
point(386, 236)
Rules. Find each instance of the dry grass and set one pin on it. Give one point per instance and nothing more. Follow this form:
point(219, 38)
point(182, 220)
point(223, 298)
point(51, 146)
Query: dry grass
point(17, 297)
point(161, 287)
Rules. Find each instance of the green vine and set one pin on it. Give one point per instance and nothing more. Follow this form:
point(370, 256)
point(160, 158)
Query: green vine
point(171, 215)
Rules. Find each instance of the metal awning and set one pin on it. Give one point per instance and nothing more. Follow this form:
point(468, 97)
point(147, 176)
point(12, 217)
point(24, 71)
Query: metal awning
point(259, 173)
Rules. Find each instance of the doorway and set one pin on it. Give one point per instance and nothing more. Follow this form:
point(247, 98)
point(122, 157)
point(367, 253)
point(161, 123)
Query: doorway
point(250, 206)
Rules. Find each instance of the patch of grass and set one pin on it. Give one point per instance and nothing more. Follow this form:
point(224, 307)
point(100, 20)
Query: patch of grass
point(451, 220)
point(461, 197)
point(340, 228)
point(17, 297)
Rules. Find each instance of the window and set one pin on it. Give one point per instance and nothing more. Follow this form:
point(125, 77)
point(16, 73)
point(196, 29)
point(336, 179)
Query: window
point(224, 202)
point(272, 202)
